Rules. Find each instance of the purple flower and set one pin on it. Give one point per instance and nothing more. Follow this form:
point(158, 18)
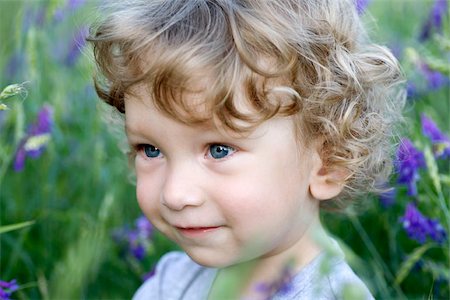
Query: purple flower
point(7, 288)
point(76, 46)
point(136, 247)
point(36, 140)
point(58, 15)
point(409, 161)
point(361, 5)
point(70, 7)
point(440, 141)
point(19, 161)
point(75, 4)
point(144, 226)
point(419, 228)
point(34, 17)
point(44, 122)
point(435, 79)
point(434, 20)
point(136, 240)
point(411, 90)
point(138, 251)
point(415, 224)
point(438, 11)
point(436, 231)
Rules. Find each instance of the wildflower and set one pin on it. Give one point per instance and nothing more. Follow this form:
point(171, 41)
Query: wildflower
point(438, 11)
point(436, 231)
point(441, 142)
point(415, 224)
point(78, 42)
point(34, 17)
point(361, 5)
point(70, 7)
point(144, 226)
point(411, 90)
point(136, 245)
point(409, 161)
point(137, 239)
point(434, 20)
point(435, 79)
point(7, 288)
point(37, 138)
point(75, 4)
point(418, 227)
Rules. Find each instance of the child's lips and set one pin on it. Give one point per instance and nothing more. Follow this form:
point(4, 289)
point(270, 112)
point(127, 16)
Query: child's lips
point(197, 231)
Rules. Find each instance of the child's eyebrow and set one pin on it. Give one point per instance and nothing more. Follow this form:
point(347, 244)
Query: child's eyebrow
point(130, 129)
point(207, 129)
point(134, 130)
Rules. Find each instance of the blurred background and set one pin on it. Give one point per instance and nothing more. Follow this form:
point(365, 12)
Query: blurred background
point(70, 226)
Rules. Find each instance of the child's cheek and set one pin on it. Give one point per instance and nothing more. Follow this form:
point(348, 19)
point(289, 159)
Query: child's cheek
point(146, 192)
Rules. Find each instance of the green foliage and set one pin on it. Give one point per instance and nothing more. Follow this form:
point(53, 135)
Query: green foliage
point(408, 264)
point(17, 226)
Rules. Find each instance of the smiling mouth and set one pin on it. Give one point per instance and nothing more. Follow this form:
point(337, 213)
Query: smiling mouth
point(196, 231)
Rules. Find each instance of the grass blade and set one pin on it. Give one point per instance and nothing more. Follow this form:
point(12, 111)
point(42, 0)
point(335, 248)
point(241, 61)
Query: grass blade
point(408, 264)
point(16, 226)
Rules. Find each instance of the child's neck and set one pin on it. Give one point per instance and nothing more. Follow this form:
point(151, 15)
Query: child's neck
point(258, 278)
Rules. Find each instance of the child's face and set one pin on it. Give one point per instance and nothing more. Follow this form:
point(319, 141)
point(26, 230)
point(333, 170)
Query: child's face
point(222, 199)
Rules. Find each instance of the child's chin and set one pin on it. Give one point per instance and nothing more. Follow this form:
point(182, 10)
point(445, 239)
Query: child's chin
point(217, 261)
point(212, 261)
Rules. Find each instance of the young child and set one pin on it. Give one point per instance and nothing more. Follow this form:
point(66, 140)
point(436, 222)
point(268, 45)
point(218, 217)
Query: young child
point(245, 118)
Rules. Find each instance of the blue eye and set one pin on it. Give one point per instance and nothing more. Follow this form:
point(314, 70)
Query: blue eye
point(150, 151)
point(218, 151)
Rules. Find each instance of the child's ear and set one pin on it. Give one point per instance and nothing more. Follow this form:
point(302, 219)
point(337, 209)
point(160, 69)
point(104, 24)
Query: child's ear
point(326, 182)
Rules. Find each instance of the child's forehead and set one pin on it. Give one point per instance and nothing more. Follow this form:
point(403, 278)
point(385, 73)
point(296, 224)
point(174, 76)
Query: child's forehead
point(194, 109)
point(190, 99)
point(143, 118)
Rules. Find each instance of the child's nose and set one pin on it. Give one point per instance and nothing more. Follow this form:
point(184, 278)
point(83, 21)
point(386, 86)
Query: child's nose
point(183, 187)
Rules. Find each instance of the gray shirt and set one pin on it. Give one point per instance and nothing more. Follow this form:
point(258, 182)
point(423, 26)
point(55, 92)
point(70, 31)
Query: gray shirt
point(177, 277)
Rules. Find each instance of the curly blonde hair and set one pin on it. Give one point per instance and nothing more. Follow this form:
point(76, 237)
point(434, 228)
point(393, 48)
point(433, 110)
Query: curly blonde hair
point(310, 59)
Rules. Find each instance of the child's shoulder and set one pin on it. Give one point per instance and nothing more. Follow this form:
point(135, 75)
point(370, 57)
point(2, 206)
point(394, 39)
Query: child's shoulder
point(177, 277)
point(175, 261)
point(343, 283)
point(326, 277)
